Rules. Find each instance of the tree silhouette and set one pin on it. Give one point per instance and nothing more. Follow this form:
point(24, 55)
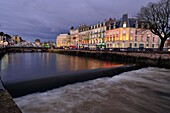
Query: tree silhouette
point(37, 40)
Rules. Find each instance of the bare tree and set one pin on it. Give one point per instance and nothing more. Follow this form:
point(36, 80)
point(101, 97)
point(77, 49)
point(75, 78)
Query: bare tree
point(157, 15)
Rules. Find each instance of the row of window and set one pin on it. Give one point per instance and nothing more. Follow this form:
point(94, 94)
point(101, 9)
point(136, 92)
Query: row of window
point(147, 39)
point(93, 27)
point(136, 45)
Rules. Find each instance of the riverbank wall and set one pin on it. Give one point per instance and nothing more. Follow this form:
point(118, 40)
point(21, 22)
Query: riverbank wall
point(155, 59)
point(7, 104)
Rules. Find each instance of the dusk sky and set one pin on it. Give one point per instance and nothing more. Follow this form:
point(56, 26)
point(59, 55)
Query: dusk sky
point(45, 19)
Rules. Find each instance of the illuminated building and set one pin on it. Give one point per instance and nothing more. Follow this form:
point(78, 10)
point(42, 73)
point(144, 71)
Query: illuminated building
point(98, 33)
point(63, 40)
point(129, 32)
point(16, 39)
point(84, 33)
point(123, 33)
point(74, 36)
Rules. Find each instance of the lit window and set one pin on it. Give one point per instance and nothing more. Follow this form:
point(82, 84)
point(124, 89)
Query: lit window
point(124, 31)
point(124, 24)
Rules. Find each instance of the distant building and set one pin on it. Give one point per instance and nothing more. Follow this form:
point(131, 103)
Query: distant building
point(98, 33)
point(16, 39)
point(37, 42)
point(1, 38)
point(63, 40)
point(5, 39)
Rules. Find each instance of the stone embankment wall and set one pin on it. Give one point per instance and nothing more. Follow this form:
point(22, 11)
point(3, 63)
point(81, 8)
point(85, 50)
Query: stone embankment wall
point(158, 59)
point(7, 104)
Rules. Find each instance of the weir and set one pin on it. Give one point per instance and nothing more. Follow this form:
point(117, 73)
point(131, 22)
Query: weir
point(43, 84)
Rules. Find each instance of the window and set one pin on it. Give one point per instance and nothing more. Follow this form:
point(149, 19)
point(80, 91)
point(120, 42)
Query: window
point(153, 39)
point(136, 32)
point(130, 45)
point(110, 38)
point(135, 38)
point(142, 39)
point(124, 31)
point(147, 45)
point(123, 44)
point(117, 32)
point(124, 24)
point(135, 45)
point(147, 39)
point(153, 45)
point(117, 45)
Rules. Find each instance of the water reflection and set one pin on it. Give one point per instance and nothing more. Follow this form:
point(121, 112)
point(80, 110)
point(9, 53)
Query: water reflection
point(26, 66)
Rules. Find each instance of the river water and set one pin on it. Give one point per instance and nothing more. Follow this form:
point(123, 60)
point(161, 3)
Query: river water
point(145, 90)
point(18, 67)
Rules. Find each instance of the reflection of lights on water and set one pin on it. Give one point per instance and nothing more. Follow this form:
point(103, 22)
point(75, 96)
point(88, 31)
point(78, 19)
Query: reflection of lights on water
point(79, 63)
point(4, 62)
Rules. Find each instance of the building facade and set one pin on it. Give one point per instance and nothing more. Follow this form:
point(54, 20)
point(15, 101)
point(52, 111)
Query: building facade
point(63, 40)
point(16, 39)
point(130, 33)
point(74, 37)
point(98, 33)
point(123, 33)
point(84, 36)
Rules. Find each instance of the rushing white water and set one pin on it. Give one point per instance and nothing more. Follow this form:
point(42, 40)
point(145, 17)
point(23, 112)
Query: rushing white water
point(142, 91)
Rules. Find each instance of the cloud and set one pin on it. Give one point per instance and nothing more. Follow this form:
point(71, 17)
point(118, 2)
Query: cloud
point(45, 19)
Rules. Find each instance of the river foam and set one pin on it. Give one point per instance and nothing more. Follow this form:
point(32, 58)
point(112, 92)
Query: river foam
point(142, 91)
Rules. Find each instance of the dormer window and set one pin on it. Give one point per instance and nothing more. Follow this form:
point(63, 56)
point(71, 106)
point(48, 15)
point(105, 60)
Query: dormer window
point(124, 24)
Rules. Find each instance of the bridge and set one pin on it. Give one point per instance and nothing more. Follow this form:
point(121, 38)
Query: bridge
point(27, 49)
